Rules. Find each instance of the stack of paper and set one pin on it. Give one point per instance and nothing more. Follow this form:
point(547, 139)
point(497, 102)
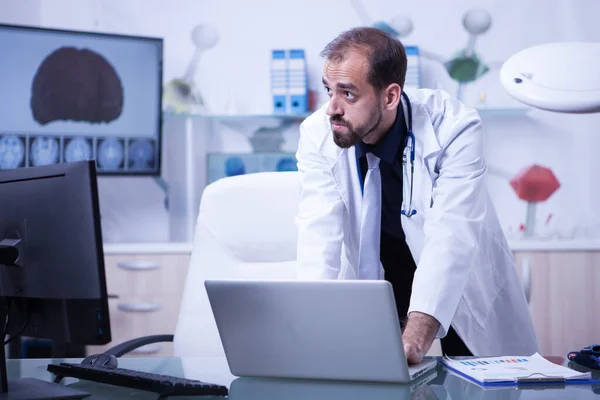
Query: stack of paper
point(515, 370)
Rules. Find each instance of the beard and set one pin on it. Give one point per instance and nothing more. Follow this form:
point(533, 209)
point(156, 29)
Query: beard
point(352, 134)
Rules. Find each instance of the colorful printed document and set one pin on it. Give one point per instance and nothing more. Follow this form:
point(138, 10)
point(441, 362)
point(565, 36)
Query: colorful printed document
point(515, 370)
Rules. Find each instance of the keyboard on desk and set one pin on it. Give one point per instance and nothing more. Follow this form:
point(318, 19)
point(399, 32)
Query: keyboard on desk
point(161, 384)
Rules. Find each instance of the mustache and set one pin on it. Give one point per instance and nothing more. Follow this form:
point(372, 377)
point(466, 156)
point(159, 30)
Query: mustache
point(338, 120)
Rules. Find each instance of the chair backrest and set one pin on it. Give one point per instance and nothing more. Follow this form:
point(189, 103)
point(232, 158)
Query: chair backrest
point(245, 229)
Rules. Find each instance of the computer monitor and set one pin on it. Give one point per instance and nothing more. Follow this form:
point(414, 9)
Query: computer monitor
point(52, 278)
point(72, 96)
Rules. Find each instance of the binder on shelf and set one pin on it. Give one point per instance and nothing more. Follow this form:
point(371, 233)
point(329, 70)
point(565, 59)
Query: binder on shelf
point(298, 81)
point(289, 81)
point(279, 81)
point(413, 69)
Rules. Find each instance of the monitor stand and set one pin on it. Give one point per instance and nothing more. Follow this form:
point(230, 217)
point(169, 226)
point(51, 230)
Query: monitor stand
point(9, 251)
point(31, 388)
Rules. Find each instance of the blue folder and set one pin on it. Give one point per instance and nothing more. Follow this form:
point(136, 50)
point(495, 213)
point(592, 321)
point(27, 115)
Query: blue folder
point(545, 381)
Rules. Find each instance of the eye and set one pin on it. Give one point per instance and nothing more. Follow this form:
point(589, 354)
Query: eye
point(328, 90)
point(349, 96)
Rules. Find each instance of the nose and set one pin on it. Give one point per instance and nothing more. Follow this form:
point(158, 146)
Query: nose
point(334, 107)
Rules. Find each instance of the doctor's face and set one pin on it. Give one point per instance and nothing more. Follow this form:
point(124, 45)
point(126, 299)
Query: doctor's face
point(354, 109)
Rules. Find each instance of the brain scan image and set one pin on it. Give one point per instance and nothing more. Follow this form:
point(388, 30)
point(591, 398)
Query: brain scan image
point(76, 85)
point(12, 152)
point(78, 149)
point(44, 151)
point(110, 153)
point(141, 154)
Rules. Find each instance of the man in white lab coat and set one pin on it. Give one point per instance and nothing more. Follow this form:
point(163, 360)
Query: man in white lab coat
point(431, 230)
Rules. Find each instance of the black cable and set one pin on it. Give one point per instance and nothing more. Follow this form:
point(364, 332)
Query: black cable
point(7, 341)
point(6, 321)
point(5, 331)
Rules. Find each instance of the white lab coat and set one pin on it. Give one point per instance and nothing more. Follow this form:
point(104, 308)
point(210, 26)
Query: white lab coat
point(466, 274)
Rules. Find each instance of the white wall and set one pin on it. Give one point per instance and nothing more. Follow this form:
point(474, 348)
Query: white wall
point(23, 12)
point(237, 70)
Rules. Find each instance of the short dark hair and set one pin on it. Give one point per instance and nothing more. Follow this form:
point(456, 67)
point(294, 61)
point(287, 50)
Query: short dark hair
point(386, 54)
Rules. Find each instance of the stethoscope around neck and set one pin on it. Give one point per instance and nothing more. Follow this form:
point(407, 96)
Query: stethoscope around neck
point(408, 156)
point(408, 152)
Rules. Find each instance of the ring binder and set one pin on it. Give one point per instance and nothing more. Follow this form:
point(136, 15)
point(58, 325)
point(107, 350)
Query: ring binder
point(289, 81)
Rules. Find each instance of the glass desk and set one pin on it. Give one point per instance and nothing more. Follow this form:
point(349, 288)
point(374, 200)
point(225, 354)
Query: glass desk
point(438, 384)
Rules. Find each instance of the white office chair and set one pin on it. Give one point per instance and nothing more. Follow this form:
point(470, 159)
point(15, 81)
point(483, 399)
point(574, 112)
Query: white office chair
point(245, 229)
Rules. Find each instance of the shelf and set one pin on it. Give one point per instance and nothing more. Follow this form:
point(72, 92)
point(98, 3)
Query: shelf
point(554, 245)
point(484, 111)
point(148, 248)
point(237, 117)
point(502, 111)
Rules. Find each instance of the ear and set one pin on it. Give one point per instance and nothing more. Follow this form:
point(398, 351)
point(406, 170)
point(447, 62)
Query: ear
point(392, 96)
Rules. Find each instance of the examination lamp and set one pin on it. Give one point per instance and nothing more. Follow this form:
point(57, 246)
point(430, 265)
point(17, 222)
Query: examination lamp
point(561, 77)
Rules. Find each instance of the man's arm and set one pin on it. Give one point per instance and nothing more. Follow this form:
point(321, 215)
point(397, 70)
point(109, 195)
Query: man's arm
point(452, 227)
point(320, 216)
point(418, 336)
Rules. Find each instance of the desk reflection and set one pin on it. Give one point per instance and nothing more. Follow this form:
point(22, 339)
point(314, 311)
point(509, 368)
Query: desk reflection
point(454, 387)
point(439, 384)
point(288, 389)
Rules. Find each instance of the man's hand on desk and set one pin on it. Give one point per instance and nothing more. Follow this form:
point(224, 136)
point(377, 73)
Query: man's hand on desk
point(418, 336)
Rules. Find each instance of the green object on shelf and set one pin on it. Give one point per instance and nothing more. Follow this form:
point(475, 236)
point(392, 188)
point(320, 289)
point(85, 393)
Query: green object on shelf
point(179, 96)
point(466, 68)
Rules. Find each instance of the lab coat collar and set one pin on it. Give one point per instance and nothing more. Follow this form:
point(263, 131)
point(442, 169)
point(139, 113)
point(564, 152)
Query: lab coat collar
point(422, 127)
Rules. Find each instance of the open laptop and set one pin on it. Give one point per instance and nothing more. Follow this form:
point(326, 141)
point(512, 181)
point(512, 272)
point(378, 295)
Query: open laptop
point(330, 329)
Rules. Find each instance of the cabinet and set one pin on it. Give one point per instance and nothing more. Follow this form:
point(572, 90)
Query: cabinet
point(564, 298)
point(149, 287)
point(564, 293)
